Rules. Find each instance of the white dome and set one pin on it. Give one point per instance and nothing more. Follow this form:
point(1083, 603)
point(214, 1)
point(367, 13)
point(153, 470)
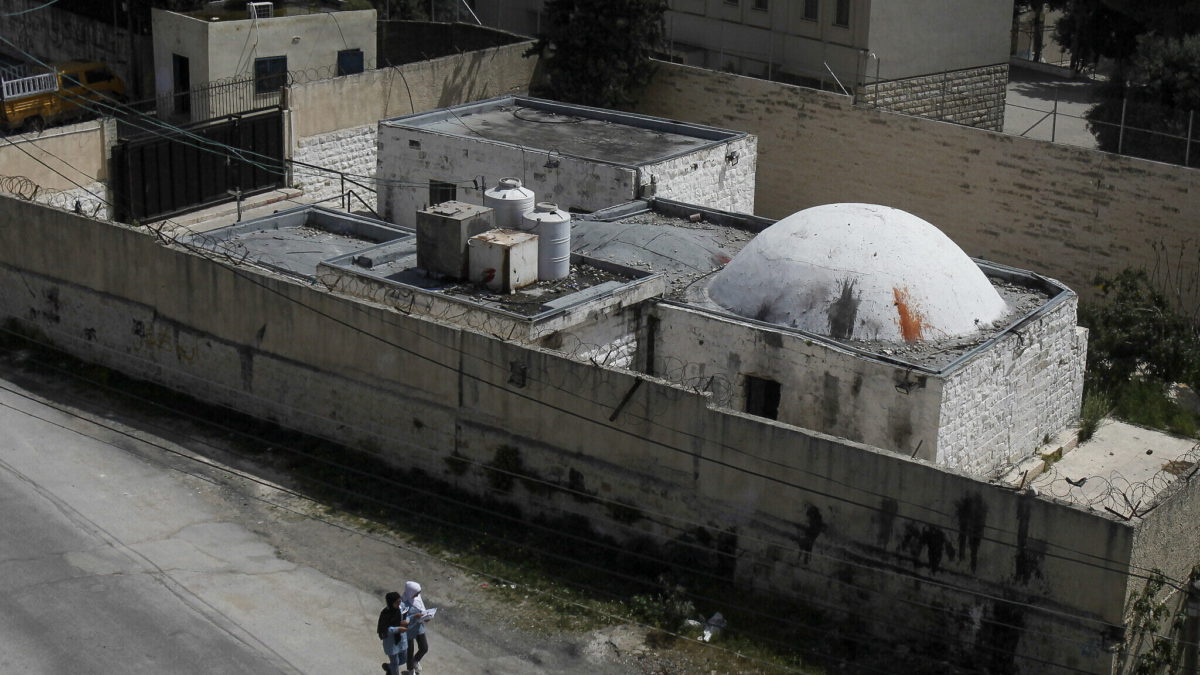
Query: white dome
point(859, 271)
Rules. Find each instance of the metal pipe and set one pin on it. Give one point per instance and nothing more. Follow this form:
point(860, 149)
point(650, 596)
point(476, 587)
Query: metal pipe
point(835, 78)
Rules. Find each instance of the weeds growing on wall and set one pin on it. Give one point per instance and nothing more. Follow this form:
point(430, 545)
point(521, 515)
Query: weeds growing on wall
point(1139, 344)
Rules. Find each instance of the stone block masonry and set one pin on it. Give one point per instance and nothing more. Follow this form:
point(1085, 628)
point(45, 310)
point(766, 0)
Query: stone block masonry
point(974, 96)
point(349, 151)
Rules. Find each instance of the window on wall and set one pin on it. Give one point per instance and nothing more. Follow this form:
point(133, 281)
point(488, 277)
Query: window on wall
point(841, 16)
point(760, 5)
point(762, 397)
point(441, 191)
point(811, 7)
point(731, 2)
point(349, 62)
point(270, 74)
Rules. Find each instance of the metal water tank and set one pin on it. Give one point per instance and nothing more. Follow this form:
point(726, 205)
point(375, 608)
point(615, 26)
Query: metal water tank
point(509, 201)
point(553, 228)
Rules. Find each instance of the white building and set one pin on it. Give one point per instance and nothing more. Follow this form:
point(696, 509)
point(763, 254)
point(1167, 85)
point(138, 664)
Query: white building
point(583, 159)
point(947, 60)
point(194, 50)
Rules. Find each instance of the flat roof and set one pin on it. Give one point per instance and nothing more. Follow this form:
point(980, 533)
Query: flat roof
point(1123, 469)
point(687, 244)
point(574, 130)
point(295, 241)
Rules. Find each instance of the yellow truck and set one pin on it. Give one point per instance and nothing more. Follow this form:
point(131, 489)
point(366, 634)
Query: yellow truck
point(32, 102)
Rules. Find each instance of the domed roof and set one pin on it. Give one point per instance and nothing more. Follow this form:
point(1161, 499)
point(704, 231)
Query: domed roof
point(858, 271)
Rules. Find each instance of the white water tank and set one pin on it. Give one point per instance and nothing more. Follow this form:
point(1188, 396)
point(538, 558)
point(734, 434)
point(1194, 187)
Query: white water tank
point(553, 228)
point(509, 201)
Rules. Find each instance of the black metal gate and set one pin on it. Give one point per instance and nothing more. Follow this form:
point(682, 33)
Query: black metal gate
point(206, 163)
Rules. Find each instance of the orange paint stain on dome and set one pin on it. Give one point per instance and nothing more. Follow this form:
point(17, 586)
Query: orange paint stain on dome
point(912, 321)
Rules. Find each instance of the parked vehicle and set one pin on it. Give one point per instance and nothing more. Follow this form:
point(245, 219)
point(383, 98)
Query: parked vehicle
point(31, 103)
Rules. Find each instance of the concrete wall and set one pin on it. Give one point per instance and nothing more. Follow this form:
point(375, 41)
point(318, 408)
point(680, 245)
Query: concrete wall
point(1067, 212)
point(406, 169)
point(720, 177)
point(871, 539)
point(403, 42)
point(61, 158)
point(997, 407)
point(919, 37)
point(334, 122)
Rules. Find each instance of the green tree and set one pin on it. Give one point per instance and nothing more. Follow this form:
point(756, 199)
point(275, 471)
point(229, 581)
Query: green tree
point(597, 52)
point(1134, 330)
point(1154, 92)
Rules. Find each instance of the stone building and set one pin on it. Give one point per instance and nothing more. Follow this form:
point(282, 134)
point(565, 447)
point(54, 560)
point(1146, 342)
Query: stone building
point(945, 60)
point(581, 158)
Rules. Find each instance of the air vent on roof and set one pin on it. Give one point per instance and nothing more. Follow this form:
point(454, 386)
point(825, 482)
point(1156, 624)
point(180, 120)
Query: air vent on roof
point(260, 10)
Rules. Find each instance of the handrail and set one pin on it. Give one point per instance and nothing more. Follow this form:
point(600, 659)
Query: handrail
point(352, 193)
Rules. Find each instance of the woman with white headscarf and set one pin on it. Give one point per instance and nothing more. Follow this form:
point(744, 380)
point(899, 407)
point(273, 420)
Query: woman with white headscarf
point(418, 646)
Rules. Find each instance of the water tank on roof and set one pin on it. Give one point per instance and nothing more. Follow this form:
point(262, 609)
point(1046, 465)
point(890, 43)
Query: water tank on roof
point(509, 201)
point(553, 228)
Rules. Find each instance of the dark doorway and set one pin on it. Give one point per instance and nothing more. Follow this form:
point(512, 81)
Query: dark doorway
point(762, 397)
point(182, 83)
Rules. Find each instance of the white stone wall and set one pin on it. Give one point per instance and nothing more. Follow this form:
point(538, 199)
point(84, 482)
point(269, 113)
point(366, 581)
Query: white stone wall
point(974, 97)
point(998, 407)
point(720, 177)
point(351, 151)
point(574, 184)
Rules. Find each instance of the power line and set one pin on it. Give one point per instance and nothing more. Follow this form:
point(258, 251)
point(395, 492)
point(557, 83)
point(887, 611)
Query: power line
point(31, 9)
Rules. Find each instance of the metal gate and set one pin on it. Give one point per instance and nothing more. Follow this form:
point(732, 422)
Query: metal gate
point(206, 163)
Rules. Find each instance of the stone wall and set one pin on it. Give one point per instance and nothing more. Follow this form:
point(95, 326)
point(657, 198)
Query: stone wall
point(1067, 212)
point(351, 151)
point(61, 158)
point(720, 177)
point(878, 544)
point(974, 97)
point(997, 407)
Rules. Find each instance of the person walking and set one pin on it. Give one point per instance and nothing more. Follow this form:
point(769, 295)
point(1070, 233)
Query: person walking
point(418, 644)
point(392, 629)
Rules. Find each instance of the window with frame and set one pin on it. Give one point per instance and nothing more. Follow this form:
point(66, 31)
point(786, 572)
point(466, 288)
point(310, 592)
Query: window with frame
point(760, 5)
point(349, 62)
point(732, 2)
point(270, 74)
point(811, 9)
point(841, 16)
point(762, 397)
point(441, 191)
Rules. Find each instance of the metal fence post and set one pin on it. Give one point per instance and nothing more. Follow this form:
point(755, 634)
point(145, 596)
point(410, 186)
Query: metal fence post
point(1121, 134)
point(1054, 117)
point(1187, 152)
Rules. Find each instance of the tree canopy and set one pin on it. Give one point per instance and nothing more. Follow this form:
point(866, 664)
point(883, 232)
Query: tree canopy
point(597, 52)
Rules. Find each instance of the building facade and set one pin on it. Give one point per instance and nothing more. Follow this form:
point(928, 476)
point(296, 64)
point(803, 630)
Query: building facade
point(251, 57)
point(934, 58)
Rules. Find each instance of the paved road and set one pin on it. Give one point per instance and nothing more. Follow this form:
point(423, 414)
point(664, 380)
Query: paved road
point(1031, 100)
point(123, 552)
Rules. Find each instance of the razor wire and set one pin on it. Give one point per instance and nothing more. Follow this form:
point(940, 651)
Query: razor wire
point(1115, 493)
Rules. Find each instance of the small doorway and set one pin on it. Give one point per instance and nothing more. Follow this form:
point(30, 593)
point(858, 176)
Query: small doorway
point(182, 83)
